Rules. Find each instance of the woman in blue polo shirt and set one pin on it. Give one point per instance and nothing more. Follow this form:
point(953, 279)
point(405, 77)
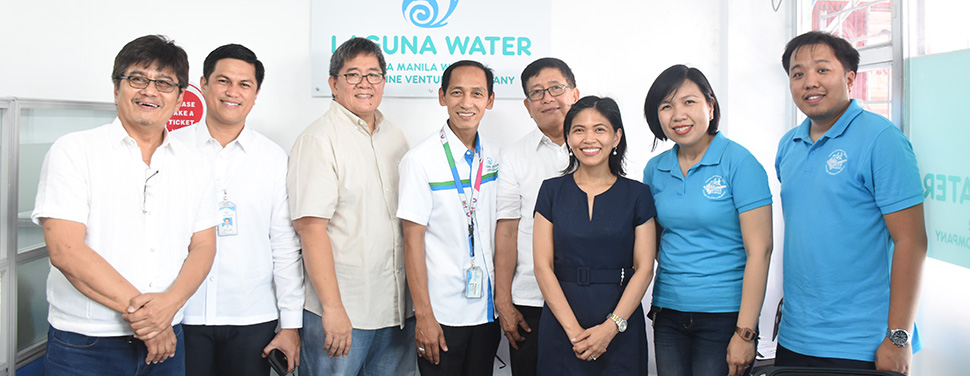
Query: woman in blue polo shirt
point(714, 220)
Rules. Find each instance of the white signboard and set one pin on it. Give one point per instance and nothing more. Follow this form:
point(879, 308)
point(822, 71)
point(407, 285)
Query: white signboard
point(420, 38)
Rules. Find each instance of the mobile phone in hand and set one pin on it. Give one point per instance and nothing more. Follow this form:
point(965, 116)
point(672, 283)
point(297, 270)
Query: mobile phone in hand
point(277, 361)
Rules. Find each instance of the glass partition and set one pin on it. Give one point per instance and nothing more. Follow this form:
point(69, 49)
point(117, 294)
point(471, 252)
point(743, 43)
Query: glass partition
point(32, 303)
point(6, 340)
point(29, 127)
point(39, 128)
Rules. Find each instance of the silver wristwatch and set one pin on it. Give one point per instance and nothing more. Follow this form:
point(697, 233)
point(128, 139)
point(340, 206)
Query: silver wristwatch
point(899, 337)
point(620, 322)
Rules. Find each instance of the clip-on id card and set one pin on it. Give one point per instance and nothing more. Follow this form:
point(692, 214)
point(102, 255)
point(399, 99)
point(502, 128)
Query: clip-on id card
point(227, 214)
point(473, 282)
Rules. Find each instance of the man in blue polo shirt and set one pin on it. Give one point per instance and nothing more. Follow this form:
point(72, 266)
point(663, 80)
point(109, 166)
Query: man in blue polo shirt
point(854, 235)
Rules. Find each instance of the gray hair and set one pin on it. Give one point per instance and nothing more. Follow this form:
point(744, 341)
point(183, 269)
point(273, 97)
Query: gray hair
point(353, 47)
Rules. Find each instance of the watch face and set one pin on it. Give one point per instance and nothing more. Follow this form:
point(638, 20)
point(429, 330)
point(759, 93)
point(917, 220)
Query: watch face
point(899, 337)
point(622, 326)
point(746, 334)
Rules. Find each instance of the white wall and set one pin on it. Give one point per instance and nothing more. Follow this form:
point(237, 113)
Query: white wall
point(62, 49)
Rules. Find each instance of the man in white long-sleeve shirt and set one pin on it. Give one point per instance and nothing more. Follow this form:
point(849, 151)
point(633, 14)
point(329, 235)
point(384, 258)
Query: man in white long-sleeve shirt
point(256, 281)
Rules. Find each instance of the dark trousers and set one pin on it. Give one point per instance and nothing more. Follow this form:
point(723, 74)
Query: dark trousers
point(227, 349)
point(523, 360)
point(471, 351)
point(787, 358)
point(692, 343)
point(75, 354)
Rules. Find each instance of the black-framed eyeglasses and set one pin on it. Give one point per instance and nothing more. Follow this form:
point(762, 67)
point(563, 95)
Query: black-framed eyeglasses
point(356, 78)
point(554, 91)
point(141, 82)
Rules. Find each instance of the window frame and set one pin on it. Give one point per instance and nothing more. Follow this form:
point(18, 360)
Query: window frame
point(873, 56)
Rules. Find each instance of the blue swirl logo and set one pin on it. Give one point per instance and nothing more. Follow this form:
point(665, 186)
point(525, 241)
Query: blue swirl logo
point(426, 13)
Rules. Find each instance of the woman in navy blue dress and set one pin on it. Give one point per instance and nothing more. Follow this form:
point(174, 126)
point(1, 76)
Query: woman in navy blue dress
point(594, 247)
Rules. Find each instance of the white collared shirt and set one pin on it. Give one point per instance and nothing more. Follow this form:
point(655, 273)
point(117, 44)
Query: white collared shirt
point(429, 198)
point(257, 275)
point(525, 164)
point(139, 218)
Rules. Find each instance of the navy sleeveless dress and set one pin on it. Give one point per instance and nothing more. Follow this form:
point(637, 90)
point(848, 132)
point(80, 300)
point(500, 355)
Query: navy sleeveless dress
point(588, 257)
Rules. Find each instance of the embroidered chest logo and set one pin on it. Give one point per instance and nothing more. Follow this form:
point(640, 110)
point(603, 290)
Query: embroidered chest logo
point(490, 166)
point(836, 162)
point(715, 187)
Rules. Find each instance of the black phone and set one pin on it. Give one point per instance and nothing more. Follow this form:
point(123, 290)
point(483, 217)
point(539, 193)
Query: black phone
point(277, 361)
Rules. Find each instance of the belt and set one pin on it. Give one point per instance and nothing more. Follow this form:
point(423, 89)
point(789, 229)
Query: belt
point(586, 276)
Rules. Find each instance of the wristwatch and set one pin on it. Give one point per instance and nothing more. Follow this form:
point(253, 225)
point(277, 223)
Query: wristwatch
point(899, 337)
point(620, 322)
point(746, 334)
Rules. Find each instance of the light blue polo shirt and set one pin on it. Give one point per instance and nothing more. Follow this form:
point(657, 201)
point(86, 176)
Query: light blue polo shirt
point(701, 257)
point(834, 193)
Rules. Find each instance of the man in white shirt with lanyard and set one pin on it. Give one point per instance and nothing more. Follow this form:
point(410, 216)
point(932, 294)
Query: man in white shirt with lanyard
point(342, 182)
point(125, 214)
point(550, 90)
point(447, 204)
point(256, 281)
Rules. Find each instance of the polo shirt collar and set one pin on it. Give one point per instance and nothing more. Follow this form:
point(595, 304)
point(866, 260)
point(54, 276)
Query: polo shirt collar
point(361, 124)
point(245, 139)
point(854, 109)
point(712, 156)
point(457, 147)
point(537, 138)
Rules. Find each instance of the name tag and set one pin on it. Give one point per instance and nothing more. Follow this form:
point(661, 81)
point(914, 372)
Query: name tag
point(227, 214)
point(473, 282)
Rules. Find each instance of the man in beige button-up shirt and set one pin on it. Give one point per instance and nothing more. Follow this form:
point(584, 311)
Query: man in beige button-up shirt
point(342, 184)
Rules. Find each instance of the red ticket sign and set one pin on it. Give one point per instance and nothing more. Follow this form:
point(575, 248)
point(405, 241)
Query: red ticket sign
point(190, 112)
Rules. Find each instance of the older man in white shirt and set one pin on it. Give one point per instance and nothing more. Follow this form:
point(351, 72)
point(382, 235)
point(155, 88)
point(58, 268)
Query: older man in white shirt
point(550, 90)
point(123, 211)
point(256, 282)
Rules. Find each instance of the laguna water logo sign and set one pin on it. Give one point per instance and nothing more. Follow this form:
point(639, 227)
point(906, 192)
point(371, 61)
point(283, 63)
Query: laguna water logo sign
point(427, 13)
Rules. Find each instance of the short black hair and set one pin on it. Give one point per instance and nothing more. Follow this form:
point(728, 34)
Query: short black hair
point(665, 85)
point(607, 107)
point(843, 50)
point(152, 49)
point(233, 51)
point(537, 66)
point(351, 49)
point(489, 75)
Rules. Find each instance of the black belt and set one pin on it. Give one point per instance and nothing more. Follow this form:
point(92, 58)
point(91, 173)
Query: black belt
point(585, 276)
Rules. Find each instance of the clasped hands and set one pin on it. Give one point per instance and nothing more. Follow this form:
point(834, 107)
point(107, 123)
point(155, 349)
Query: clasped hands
point(150, 317)
point(591, 343)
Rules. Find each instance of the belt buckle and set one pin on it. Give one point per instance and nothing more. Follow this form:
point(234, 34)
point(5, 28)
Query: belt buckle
point(582, 276)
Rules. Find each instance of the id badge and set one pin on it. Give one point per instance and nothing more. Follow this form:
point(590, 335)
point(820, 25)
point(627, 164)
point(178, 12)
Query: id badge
point(473, 282)
point(227, 215)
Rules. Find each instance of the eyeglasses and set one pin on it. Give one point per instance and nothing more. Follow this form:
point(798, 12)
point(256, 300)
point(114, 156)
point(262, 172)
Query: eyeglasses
point(356, 78)
point(140, 82)
point(554, 91)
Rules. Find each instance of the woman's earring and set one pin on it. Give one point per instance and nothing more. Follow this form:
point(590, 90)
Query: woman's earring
point(614, 151)
point(570, 152)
